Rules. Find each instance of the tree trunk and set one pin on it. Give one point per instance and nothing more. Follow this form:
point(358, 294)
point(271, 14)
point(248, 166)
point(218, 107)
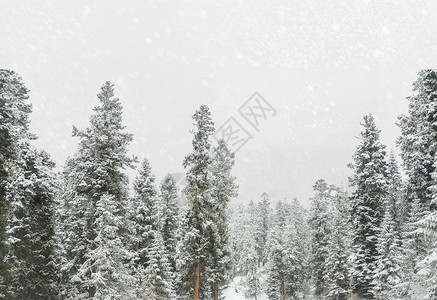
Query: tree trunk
point(92, 291)
point(282, 290)
point(93, 288)
point(216, 290)
point(196, 279)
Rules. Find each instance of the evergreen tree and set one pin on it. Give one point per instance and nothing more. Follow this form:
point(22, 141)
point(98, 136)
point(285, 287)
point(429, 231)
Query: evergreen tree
point(298, 234)
point(14, 123)
point(193, 253)
point(158, 275)
point(262, 229)
point(278, 264)
point(253, 284)
point(31, 192)
point(238, 231)
point(223, 188)
point(169, 217)
point(71, 231)
point(338, 247)
point(107, 255)
point(94, 264)
point(418, 148)
point(367, 205)
point(427, 229)
point(320, 232)
point(418, 141)
point(144, 207)
point(390, 259)
point(286, 272)
point(243, 246)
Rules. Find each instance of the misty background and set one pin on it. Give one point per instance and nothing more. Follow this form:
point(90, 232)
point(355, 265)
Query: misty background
point(321, 64)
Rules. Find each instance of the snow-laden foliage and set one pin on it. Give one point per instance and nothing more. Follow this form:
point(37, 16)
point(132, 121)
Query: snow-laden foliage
point(193, 251)
point(418, 141)
point(95, 227)
point(31, 255)
point(330, 242)
point(144, 217)
point(287, 264)
point(367, 206)
point(223, 189)
point(169, 217)
point(14, 124)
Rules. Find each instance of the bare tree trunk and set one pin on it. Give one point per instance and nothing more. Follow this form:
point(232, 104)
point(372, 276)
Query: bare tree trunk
point(196, 279)
point(92, 291)
point(93, 288)
point(282, 289)
point(216, 290)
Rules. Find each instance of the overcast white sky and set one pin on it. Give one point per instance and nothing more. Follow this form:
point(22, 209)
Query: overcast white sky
point(321, 64)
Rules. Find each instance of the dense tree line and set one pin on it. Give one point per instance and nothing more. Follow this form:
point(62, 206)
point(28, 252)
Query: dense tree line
point(81, 234)
point(375, 242)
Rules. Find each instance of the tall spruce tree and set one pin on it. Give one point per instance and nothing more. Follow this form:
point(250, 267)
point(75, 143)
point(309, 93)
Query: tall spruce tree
point(144, 210)
point(96, 251)
point(418, 140)
point(367, 206)
point(390, 260)
point(320, 232)
point(338, 248)
point(169, 217)
point(223, 188)
point(287, 244)
point(418, 144)
point(158, 283)
point(14, 123)
point(193, 251)
point(427, 228)
point(279, 259)
point(262, 226)
point(244, 255)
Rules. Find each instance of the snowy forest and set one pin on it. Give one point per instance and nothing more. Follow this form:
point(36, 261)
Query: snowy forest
point(86, 232)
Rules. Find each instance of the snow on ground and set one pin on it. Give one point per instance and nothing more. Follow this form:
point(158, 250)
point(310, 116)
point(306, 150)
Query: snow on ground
point(235, 292)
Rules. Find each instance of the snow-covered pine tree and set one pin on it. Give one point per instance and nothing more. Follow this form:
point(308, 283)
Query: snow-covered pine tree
point(14, 123)
point(169, 217)
point(144, 210)
point(278, 261)
point(262, 225)
point(223, 188)
point(391, 258)
point(253, 283)
point(249, 261)
point(158, 280)
point(298, 235)
point(287, 244)
point(97, 201)
point(338, 248)
point(418, 140)
point(238, 225)
point(367, 206)
point(107, 255)
point(31, 193)
point(70, 231)
point(320, 234)
point(427, 228)
point(243, 249)
point(418, 144)
point(193, 247)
